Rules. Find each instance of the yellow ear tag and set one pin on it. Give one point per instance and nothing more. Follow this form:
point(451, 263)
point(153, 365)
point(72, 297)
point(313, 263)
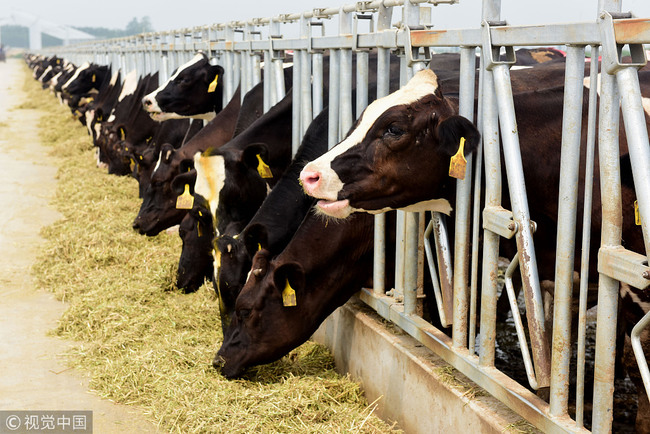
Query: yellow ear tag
point(140, 157)
point(637, 215)
point(185, 200)
point(458, 163)
point(289, 296)
point(259, 247)
point(263, 169)
point(132, 165)
point(122, 134)
point(213, 86)
point(198, 229)
point(200, 213)
point(94, 78)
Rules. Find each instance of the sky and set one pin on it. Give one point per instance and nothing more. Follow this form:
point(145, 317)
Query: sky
point(115, 14)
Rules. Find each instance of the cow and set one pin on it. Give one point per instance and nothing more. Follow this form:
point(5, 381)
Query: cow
point(195, 264)
point(229, 177)
point(416, 116)
point(273, 224)
point(86, 79)
point(345, 180)
point(194, 90)
point(286, 298)
point(158, 209)
point(130, 127)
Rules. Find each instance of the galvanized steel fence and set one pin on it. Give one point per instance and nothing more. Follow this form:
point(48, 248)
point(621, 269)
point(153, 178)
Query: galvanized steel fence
point(245, 49)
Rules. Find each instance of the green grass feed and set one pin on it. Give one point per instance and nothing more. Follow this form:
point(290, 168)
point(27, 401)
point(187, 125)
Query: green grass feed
point(146, 344)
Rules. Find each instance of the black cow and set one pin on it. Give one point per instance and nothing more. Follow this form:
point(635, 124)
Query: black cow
point(273, 224)
point(269, 321)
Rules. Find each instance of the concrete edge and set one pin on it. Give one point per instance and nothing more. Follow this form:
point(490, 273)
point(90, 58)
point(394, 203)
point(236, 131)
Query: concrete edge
point(414, 387)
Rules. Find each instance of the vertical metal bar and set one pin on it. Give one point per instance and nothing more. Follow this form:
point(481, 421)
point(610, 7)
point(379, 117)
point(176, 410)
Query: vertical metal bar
point(410, 271)
point(491, 240)
point(317, 73)
point(306, 114)
point(384, 16)
point(410, 252)
point(296, 93)
point(268, 81)
point(521, 215)
point(362, 81)
point(586, 238)
point(491, 12)
point(610, 236)
point(463, 197)
point(567, 211)
point(334, 99)
point(345, 59)
point(476, 218)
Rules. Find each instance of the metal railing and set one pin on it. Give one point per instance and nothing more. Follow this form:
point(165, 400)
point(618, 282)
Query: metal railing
point(249, 49)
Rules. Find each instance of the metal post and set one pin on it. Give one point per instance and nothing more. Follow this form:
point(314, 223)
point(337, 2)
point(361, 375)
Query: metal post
point(384, 16)
point(345, 85)
point(490, 135)
point(463, 199)
point(334, 99)
point(567, 210)
point(611, 236)
point(586, 239)
point(306, 114)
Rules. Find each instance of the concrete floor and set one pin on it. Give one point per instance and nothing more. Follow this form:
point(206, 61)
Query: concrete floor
point(33, 375)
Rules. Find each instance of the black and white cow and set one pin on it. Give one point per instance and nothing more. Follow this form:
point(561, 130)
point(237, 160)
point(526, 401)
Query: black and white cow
point(194, 90)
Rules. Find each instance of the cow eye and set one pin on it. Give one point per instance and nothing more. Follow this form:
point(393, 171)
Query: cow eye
point(244, 313)
point(394, 131)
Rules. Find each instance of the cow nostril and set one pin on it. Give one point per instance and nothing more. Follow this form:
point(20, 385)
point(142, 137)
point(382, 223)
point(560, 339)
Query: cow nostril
point(218, 362)
point(310, 178)
point(146, 102)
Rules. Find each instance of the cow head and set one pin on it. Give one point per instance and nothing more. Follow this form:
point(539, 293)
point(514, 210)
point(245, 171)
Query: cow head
point(234, 256)
point(230, 181)
point(158, 209)
point(196, 232)
point(194, 90)
point(262, 329)
point(87, 77)
point(396, 156)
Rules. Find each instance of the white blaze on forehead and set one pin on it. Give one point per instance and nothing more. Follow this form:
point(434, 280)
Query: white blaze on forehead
point(157, 164)
point(76, 75)
point(48, 69)
point(114, 79)
point(210, 179)
point(129, 86)
point(422, 84)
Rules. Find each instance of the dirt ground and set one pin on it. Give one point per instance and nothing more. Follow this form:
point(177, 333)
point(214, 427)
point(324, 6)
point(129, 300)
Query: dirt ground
point(33, 373)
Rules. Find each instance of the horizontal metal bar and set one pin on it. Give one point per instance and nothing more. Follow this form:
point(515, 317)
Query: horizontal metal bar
point(515, 396)
point(624, 265)
point(500, 221)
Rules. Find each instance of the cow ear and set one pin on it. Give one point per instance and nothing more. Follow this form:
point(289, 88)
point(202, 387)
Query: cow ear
point(452, 129)
point(186, 165)
point(254, 153)
point(255, 238)
point(166, 153)
point(180, 181)
point(289, 277)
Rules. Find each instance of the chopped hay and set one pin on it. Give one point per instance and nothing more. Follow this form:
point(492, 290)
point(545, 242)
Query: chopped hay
point(145, 343)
